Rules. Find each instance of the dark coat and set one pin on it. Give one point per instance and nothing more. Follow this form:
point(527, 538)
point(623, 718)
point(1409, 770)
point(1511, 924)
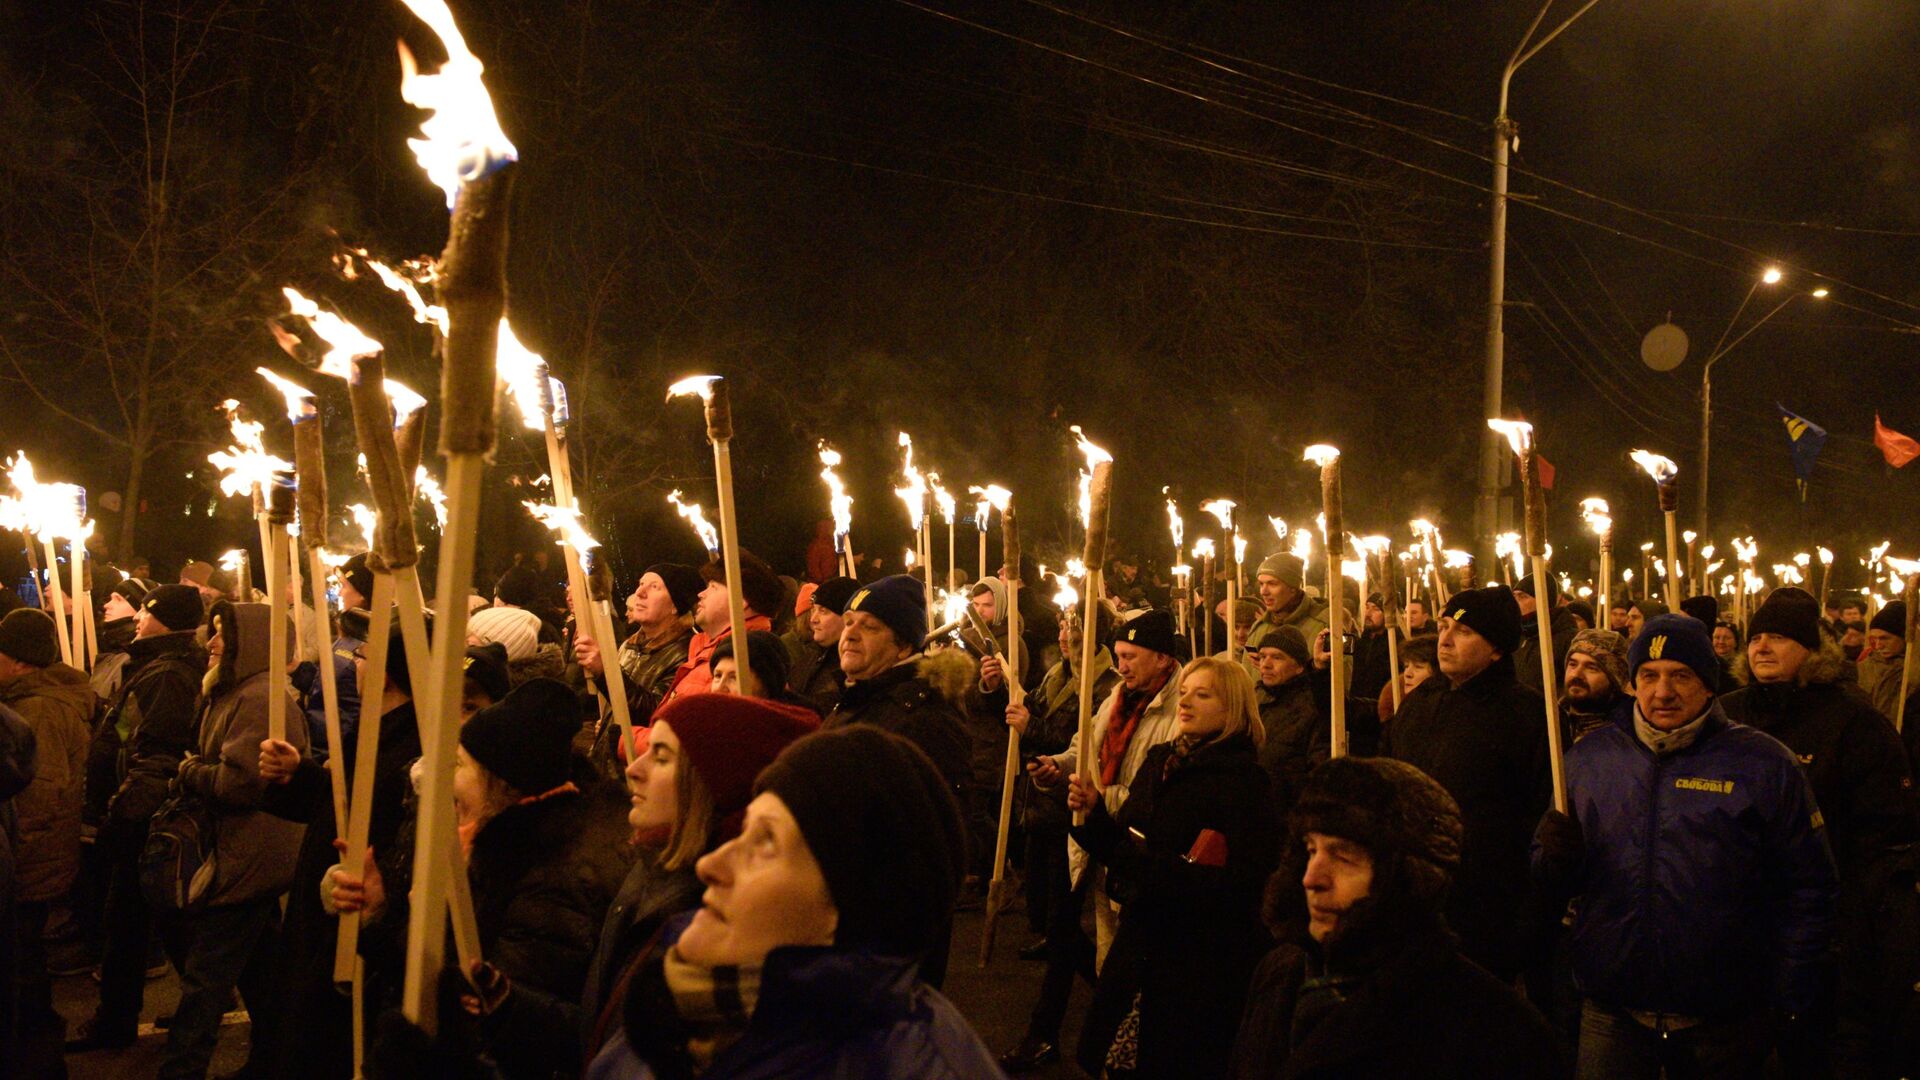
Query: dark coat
point(818, 678)
point(569, 1031)
point(648, 673)
point(1053, 715)
point(17, 752)
point(902, 701)
point(822, 1014)
point(57, 703)
point(1421, 1009)
point(1372, 663)
point(1704, 886)
point(150, 726)
point(1526, 659)
point(544, 874)
point(1189, 934)
point(1486, 743)
point(1297, 737)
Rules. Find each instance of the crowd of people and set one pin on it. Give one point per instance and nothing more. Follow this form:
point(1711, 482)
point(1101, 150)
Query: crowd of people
point(761, 879)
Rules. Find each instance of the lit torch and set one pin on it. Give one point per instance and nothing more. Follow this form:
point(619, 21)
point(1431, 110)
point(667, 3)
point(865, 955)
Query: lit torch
point(696, 517)
point(1599, 518)
point(1222, 511)
point(1099, 491)
point(1909, 571)
point(841, 505)
point(1520, 436)
point(1663, 471)
point(987, 499)
point(1016, 695)
point(943, 499)
point(1327, 458)
point(913, 494)
point(1826, 574)
point(713, 393)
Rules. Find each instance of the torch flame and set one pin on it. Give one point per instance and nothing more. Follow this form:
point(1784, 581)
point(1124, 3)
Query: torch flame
point(709, 536)
point(1076, 569)
point(246, 464)
point(1354, 570)
point(1519, 433)
point(564, 520)
point(1222, 511)
point(1455, 559)
point(1421, 527)
point(1094, 454)
point(700, 386)
point(1239, 548)
point(838, 500)
point(1904, 567)
point(914, 492)
point(300, 403)
point(942, 498)
point(1322, 454)
point(1302, 544)
point(519, 370)
point(429, 489)
point(1176, 525)
point(230, 560)
point(1802, 560)
point(345, 341)
point(463, 138)
point(1279, 526)
point(1661, 469)
point(1689, 536)
point(405, 402)
point(1203, 548)
point(1826, 557)
point(1707, 552)
point(432, 314)
point(365, 520)
point(1068, 598)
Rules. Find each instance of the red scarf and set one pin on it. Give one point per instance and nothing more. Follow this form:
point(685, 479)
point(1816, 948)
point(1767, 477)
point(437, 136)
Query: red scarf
point(1122, 719)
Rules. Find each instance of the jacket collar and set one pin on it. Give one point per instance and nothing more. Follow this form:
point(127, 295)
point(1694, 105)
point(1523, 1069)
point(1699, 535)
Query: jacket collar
point(173, 641)
point(1497, 677)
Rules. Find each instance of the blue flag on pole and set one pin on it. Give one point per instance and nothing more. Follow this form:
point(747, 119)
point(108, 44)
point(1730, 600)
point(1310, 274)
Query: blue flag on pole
point(1805, 440)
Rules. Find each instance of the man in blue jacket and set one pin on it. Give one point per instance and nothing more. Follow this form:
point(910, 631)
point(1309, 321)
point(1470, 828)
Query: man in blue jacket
point(1700, 870)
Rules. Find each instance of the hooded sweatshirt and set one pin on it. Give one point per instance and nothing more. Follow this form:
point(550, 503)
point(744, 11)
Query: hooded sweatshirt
point(254, 851)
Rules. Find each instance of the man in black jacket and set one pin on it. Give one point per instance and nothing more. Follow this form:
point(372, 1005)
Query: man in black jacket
point(886, 622)
point(1367, 981)
point(1857, 767)
point(1483, 737)
point(818, 677)
point(150, 726)
point(1526, 659)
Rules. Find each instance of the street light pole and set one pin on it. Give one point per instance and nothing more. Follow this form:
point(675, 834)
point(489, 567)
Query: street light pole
point(1492, 445)
point(1772, 276)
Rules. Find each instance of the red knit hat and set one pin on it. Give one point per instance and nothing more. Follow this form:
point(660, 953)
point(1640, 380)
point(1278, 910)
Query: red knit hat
point(728, 739)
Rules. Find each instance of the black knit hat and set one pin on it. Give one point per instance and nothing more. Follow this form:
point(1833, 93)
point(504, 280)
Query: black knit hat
point(1526, 585)
point(1390, 808)
point(1490, 612)
point(899, 601)
point(684, 583)
point(834, 593)
point(1289, 640)
point(356, 573)
point(766, 655)
point(178, 607)
point(133, 590)
point(1704, 608)
point(760, 587)
point(518, 587)
point(526, 738)
point(1891, 619)
point(1151, 629)
point(885, 829)
point(1676, 637)
point(486, 665)
point(1791, 612)
point(28, 635)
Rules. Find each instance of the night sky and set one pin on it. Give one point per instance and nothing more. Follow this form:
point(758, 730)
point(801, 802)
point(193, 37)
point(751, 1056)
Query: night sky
point(1209, 233)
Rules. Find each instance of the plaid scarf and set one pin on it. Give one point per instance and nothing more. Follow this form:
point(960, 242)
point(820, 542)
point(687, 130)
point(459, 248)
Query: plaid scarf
point(714, 1004)
point(1122, 719)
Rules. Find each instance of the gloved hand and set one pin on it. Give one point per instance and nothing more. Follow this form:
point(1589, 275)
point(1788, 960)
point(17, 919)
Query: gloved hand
point(1559, 852)
point(489, 990)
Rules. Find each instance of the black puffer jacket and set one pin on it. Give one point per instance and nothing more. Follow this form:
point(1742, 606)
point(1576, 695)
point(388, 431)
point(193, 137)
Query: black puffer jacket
point(1189, 933)
point(1486, 743)
point(903, 701)
point(151, 725)
point(544, 873)
point(818, 678)
point(1850, 753)
point(1526, 659)
point(1297, 737)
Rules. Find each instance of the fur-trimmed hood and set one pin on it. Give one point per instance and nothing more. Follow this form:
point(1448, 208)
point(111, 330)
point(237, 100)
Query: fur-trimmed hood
point(545, 663)
point(1826, 665)
point(951, 673)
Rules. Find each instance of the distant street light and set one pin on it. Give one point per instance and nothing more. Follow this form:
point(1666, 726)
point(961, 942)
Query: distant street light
point(1771, 276)
point(1494, 453)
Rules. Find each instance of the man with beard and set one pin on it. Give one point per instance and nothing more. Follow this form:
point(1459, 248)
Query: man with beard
point(1594, 681)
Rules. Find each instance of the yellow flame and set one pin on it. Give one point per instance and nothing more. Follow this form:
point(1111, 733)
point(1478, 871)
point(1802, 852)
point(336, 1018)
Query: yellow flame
point(463, 138)
point(432, 314)
point(518, 368)
point(1068, 598)
point(1421, 527)
point(300, 403)
point(1302, 544)
point(909, 559)
point(994, 497)
point(345, 341)
point(1661, 469)
point(942, 498)
point(1322, 454)
point(230, 560)
point(838, 500)
point(564, 520)
point(1279, 526)
point(247, 463)
point(1222, 511)
point(1826, 557)
point(953, 605)
point(1707, 552)
point(1094, 454)
point(1904, 567)
point(1354, 570)
point(1076, 569)
point(1627, 576)
point(1455, 559)
point(1181, 571)
point(1519, 433)
point(1802, 560)
point(914, 492)
point(405, 402)
point(1239, 548)
point(429, 489)
point(709, 536)
point(1203, 548)
point(700, 386)
point(1689, 536)
point(365, 520)
point(1176, 525)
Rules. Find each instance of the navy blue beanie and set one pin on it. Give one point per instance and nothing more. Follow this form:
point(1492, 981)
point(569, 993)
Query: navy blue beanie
point(1676, 637)
point(900, 601)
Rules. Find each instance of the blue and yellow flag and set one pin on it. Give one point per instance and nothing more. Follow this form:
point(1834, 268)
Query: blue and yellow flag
point(1805, 440)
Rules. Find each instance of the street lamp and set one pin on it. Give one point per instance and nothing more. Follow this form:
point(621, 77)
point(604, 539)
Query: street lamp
point(1771, 276)
point(1493, 448)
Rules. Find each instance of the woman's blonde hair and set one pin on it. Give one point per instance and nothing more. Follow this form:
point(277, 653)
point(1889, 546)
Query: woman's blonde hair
point(1235, 687)
point(692, 818)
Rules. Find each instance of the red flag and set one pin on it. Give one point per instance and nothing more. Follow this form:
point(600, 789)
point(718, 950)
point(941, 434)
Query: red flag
point(1546, 470)
point(1897, 448)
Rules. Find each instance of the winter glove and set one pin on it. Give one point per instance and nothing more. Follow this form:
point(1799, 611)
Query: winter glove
point(490, 989)
point(1559, 853)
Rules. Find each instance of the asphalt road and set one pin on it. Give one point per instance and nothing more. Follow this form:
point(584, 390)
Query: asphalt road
point(995, 1000)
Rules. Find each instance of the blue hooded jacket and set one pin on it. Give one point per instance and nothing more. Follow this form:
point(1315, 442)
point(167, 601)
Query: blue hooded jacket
point(1706, 887)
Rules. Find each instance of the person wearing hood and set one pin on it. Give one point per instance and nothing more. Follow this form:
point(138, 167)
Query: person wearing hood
point(137, 746)
point(1883, 661)
point(1186, 857)
point(1858, 770)
point(818, 677)
point(689, 790)
point(1593, 682)
point(1482, 735)
point(1367, 980)
point(56, 701)
point(661, 611)
point(1526, 659)
point(1703, 886)
point(761, 594)
point(116, 633)
point(1284, 600)
point(234, 927)
point(1047, 722)
point(802, 959)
